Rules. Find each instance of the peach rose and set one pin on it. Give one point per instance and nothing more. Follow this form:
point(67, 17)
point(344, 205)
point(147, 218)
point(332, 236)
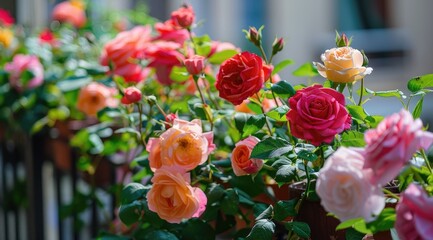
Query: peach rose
point(342, 65)
point(19, 66)
point(94, 97)
point(242, 164)
point(71, 12)
point(123, 50)
point(173, 198)
point(267, 104)
point(344, 187)
point(184, 145)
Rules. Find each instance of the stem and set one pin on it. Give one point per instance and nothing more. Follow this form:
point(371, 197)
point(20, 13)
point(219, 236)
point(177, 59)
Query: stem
point(266, 117)
point(362, 92)
point(267, 167)
point(390, 193)
point(192, 40)
point(307, 174)
point(160, 110)
point(262, 51)
point(427, 163)
point(199, 90)
point(140, 128)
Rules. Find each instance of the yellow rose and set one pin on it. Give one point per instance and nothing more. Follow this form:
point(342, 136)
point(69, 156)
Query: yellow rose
point(6, 37)
point(173, 198)
point(342, 65)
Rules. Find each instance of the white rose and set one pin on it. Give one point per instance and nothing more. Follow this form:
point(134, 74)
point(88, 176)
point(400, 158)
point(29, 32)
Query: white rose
point(344, 188)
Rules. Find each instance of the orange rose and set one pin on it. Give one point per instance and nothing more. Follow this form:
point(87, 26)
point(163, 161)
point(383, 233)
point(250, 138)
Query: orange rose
point(6, 37)
point(242, 164)
point(71, 12)
point(94, 97)
point(173, 198)
point(342, 65)
point(184, 145)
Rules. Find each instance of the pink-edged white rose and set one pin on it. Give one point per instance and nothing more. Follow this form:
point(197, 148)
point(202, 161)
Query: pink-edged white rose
point(342, 65)
point(344, 187)
point(392, 144)
point(184, 145)
point(414, 214)
point(19, 66)
point(242, 164)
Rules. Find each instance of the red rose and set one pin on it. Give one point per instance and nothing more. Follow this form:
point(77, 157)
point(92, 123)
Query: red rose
point(131, 95)
point(183, 17)
point(241, 77)
point(317, 114)
point(5, 18)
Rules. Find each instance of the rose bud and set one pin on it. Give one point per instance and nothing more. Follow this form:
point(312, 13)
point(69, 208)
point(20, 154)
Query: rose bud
point(254, 36)
point(169, 119)
point(183, 17)
point(277, 46)
point(194, 65)
point(131, 95)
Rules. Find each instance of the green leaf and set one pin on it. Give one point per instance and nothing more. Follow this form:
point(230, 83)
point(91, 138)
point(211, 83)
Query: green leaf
point(98, 145)
point(283, 89)
point(307, 155)
point(73, 83)
point(266, 214)
point(271, 147)
point(300, 228)
point(384, 221)
point(38, 125)
point(352, 139)
point(279, 113)
point(130, 213)
point(417, 83)
point(203, 45)
point(60, 113)
point(281, 65)
point(240, 120)
point(306, 70)
point(352, 234)
point(160, 235)
point(215, 193)
point(263, 230)
point(230, 202)
point(179, 74)
point(253, 124)
point(348, 223)
point(197, 229)
point(418, 108)
point(128, 130)
point(283, 209)
point(220, 57)
point(285, 174)
point(390, 93)
point(132, 192)
point(357, 112)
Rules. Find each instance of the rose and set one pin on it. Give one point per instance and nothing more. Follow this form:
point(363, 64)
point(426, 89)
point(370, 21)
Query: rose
point(25, 72)
point(241, 76)
point(121, 52)
point(168, 31)
point(242, 164)
point(392, 144)
point(342, 65)
point(172, 197)
point(71, 12)
point(131, 95)
point(184, 145)
point(6, 37)
point(344, 189)
point(195, 64)
point(414, 219)
point(163, 56)
point(317, 114)
point(94, 97)
point(5, 18)
point(183, 17)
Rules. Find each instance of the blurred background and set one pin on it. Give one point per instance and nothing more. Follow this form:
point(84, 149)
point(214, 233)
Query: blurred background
point(395, 35)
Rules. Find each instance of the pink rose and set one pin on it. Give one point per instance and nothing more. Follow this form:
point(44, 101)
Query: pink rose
point(71, 12)
point(122, 52)
point(317, 114)
point(168, 31)
point(163, 56)
point(19, 66)
point(392, 144)
point(183, 17)
point(195, 64)
point(414, 214)
point(242, 164)
point(173, 198)
point(241, 76)
point(344, 188)
point(94, 97)
point(184, 146)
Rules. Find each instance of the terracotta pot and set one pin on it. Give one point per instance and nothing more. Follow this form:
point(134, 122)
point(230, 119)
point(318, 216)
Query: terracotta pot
point(311, 212)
